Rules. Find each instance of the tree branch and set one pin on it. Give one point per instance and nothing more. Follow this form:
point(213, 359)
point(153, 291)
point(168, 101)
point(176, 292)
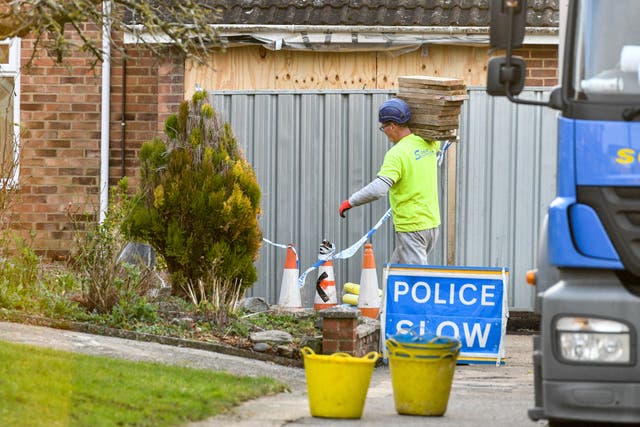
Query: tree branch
point(186, 24)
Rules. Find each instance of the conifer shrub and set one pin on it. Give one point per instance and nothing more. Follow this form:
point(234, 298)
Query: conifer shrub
point(198, 204)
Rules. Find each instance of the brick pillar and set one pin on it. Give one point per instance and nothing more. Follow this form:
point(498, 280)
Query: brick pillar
point(339, 330)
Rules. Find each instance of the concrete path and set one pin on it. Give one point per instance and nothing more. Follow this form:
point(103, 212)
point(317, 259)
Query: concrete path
point(482, 395)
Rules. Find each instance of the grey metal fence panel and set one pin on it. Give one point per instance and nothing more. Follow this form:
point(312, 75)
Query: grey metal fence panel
point(311, 150)
point(506, 179)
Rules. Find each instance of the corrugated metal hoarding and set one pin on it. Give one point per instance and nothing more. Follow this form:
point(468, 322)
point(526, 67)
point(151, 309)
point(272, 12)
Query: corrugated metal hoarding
point(506, 173)
point(311, 150)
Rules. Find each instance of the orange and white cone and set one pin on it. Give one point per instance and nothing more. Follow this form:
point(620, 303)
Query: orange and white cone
point(289, 291)
point(325, 287)
point(369, 298)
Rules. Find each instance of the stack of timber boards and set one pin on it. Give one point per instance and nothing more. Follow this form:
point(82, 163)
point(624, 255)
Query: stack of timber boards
point(435, 105)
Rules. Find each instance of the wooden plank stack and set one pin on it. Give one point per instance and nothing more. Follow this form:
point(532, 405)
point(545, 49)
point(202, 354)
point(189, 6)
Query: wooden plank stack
point(435, 105)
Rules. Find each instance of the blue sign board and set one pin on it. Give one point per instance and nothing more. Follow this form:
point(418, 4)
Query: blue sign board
point(468, 303)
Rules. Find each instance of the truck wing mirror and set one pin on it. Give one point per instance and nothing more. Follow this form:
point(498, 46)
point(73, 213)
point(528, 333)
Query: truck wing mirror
point(508, 18)
point(555, 99)
point(503, 72)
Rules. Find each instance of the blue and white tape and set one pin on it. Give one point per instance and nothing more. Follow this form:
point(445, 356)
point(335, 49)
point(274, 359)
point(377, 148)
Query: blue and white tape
point(441, 154)
point(346, 253)
point(351, 250)
point(280, 245)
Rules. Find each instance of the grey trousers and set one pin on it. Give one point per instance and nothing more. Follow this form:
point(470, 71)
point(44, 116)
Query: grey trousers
point(413, 247)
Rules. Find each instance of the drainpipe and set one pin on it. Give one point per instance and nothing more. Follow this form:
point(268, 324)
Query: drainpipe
point(123, 120)
point(106, 106)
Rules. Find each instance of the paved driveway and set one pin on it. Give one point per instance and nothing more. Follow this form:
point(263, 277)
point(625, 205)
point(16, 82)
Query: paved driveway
point(482, 395)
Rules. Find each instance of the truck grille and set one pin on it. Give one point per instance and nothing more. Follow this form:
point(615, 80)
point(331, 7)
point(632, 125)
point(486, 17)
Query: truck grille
point(619, 211)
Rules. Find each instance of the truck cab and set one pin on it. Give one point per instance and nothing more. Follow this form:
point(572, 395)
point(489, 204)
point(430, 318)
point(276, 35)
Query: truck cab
point(586, 356)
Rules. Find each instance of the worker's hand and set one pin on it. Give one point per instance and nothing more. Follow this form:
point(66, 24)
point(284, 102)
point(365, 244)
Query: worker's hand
point(344, 206)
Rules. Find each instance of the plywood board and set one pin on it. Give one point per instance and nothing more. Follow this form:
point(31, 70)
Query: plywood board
point(325, 70)
point(238, 68)
point(256, 68)
point(462, 62)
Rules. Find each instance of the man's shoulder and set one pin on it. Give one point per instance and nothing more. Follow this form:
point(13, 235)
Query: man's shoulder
point(427, 141)
point(411, 141)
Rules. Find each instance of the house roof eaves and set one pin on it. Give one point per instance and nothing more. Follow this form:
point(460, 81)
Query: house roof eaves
point(370, 29)
point(265, 34)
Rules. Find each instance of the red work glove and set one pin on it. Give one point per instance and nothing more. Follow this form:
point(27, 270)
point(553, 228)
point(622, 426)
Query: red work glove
point(344, 206)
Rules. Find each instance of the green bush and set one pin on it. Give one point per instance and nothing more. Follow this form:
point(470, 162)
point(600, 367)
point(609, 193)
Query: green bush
point(18, 274)
point(28, 287)
point(106, 282)
point(198, 203)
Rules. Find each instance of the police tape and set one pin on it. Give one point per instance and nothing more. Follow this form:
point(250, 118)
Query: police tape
point(351, 250)
point(442, 153)
point(280, 245)
point(346, 253)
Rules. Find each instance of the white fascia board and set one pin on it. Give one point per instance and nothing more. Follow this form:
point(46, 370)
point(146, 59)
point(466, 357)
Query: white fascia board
point(357, 37)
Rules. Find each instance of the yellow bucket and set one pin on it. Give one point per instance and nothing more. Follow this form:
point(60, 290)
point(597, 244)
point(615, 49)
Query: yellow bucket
point(337, 384)
point(421, 378)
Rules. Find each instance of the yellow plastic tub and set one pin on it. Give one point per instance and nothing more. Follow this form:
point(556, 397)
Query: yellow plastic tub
point(421, 377)
point(435, 347)
point(337, 384)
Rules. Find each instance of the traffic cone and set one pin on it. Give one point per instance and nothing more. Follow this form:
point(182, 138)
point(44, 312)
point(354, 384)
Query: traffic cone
point(369, 299)
point(289, 290)
point(325, 287)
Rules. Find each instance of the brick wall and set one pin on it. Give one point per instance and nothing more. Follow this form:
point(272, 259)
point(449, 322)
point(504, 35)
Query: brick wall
point(154, 88)
point(344, 331)
point(60, 115)
point(542, 65)
point(59, 162)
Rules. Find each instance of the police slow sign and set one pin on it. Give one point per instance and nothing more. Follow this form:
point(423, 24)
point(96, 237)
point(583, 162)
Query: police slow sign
point(468, 303)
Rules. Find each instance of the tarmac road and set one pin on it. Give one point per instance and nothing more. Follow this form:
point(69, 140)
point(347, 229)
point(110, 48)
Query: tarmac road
point(481, 395)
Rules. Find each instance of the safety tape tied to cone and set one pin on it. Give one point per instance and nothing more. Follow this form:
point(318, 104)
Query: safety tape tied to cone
point(289, 290)
point(326, 287)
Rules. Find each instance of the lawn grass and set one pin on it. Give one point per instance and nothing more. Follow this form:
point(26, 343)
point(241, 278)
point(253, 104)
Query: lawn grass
point(42, 387)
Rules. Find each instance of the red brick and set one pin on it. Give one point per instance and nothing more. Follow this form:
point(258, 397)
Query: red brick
point(329, 346)
point(56, 107)
point(57, 124)
point(544, 53)
point(347, 330)
point(347, 346)
point(534, 82)
point(45, 189)
point(45, 153)
point(44, 97)
point(85, 181)
point(85, 107)
point(32, 107)
point(535, 63)
point(44, 208)
point(330, 328)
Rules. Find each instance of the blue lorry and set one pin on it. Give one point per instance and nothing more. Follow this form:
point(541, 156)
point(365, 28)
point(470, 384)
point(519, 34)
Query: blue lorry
point(587, 277)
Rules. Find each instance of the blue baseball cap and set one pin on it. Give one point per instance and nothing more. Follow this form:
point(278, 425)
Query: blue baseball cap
point(394, 110)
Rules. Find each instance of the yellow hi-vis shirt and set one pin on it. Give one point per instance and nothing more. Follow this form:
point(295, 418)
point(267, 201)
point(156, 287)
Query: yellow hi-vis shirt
point(412, 165)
